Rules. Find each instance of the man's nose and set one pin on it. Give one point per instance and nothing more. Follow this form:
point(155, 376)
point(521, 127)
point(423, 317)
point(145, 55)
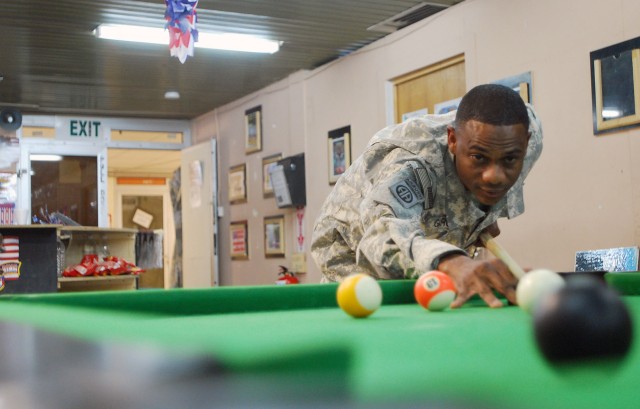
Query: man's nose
point(494, 174)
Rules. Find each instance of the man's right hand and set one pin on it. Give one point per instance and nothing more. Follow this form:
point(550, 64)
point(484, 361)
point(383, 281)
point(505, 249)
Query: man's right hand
point(479, 277)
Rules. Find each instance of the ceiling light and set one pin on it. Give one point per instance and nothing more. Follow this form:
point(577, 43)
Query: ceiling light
point(45, 158)
point(219, 41)
point(172, 95)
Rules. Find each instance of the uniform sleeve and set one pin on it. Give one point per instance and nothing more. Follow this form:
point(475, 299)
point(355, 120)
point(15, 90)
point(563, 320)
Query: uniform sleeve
point(394, 242)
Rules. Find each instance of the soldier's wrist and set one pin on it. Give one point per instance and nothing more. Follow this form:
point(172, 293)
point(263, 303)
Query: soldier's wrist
point(446, 257)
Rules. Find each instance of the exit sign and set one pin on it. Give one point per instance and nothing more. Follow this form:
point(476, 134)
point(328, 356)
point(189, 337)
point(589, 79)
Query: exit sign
point(80, 129)
point(84, 128)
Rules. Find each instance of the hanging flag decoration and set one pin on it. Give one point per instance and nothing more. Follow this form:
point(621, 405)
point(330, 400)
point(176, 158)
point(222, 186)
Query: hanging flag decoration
point(181, 23)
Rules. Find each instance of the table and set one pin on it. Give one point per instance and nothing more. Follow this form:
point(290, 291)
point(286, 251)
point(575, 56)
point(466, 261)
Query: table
point(290, 346)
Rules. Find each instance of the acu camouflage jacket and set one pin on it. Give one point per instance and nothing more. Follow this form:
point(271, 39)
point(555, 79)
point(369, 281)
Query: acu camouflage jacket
point(400, 206)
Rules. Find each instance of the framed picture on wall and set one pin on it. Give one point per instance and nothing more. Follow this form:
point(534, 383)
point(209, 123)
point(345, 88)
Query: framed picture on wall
point(520, 83)
point(615, 86)
point(339, 143)
point(239, 239)
point(446, 106)
point(238, 184)
point(268, 163)
point(253, 129)
point(274, 236)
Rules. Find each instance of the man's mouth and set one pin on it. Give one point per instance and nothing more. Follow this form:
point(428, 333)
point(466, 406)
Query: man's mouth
point(492, 193)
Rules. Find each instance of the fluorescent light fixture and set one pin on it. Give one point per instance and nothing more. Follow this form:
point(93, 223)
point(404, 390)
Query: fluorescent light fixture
point(172, 95)
point(45, 158)
point(218, 41)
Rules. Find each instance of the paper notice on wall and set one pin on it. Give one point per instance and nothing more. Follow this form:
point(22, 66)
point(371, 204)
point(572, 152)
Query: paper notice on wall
point(299, 263)
point(195, 183)
point(142, 218)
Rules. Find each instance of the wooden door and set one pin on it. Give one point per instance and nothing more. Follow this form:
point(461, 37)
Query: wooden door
point(424, 89)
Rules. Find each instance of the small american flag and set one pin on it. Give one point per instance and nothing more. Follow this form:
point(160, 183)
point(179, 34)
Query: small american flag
point(10, 258)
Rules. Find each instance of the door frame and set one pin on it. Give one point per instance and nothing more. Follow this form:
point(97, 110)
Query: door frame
point(168, 224)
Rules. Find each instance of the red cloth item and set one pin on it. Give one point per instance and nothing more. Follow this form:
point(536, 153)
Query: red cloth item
point(91, 266)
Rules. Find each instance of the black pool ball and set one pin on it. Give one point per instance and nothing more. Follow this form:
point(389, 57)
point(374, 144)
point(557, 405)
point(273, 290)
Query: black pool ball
point(584, 321)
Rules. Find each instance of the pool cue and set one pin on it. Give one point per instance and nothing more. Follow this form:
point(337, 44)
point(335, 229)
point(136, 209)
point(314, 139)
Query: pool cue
point(497, 250)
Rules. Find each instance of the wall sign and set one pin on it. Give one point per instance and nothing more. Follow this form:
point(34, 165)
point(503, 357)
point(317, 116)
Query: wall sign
point(80, 129)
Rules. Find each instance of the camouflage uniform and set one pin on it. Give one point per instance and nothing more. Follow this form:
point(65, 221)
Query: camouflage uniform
point(400, 207)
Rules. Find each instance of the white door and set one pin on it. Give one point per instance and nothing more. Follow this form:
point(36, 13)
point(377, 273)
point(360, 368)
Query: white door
point(198, 173)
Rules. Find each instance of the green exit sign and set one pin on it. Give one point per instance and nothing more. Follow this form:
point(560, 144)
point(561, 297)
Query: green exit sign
point(84, 128)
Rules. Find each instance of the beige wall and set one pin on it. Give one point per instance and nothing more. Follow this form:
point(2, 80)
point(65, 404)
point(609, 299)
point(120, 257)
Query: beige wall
point(585, 191)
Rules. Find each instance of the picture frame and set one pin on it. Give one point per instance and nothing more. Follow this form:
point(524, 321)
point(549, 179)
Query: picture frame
point(447, 106)
point(520, 83)
point(267, 164)
point(238, 184)
point(339, 144)
point(253, 129)
point(274, 245)
point(239, 240)
point(615, 86)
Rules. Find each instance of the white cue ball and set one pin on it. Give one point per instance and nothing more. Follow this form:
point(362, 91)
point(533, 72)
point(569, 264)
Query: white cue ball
point(535, 285)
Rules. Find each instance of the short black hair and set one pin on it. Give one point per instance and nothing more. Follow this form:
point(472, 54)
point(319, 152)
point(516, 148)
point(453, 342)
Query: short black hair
point(492, 104)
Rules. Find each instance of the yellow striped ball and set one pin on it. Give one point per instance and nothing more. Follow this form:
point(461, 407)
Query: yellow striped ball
point(359, 295)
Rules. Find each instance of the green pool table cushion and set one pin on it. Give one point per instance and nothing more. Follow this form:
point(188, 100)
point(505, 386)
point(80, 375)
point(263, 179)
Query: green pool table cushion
point(627, 283)
point(226, 300)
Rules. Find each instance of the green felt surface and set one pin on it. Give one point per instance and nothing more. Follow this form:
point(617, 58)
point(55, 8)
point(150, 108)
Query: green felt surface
point(401, 353)
point(627, 283)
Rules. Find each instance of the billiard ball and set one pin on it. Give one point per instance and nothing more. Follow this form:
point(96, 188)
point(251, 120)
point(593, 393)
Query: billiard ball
point(434, 290)
point(359, 295)
point(584, 321)
point(535, 285)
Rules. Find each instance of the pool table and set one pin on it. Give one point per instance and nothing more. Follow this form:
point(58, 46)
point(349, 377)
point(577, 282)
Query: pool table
point(289, 346)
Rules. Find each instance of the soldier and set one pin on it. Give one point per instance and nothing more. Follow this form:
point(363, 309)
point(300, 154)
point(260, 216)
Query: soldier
point(422, 192)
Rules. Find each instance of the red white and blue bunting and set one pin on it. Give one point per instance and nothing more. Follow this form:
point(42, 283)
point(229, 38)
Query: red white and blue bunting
point(181, 23)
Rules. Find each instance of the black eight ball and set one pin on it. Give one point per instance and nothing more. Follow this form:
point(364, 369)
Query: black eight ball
point(584, 321)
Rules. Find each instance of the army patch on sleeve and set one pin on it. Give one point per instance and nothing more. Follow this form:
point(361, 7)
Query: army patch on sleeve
point(407, 193)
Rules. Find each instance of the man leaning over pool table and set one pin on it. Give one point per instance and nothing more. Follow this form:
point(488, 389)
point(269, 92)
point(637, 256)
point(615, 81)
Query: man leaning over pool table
point(419, 196)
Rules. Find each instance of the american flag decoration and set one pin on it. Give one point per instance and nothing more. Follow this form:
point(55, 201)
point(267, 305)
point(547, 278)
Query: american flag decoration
point(9, 259)
point(181, 23)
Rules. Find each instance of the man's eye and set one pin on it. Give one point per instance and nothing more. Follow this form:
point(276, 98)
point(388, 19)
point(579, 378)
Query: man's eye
point(477, 157)
point(510, 160)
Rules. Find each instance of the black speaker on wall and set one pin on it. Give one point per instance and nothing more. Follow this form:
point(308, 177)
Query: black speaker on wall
point(288, 179)
point(10, 119)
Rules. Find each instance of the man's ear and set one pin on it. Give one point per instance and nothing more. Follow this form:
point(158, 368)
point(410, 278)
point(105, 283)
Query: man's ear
point(451, 139)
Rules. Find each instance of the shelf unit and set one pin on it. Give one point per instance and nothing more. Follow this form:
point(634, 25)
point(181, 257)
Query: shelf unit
point(79, 240)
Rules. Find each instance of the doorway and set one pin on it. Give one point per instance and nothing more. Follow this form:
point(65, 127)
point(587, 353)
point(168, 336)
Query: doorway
point(146, 207)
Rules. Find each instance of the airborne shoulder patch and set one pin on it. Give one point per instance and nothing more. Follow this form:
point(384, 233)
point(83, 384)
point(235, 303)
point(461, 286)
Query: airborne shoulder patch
point(407, 193)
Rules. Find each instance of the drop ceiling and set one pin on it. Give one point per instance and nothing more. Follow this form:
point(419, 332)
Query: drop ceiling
point(51, 63)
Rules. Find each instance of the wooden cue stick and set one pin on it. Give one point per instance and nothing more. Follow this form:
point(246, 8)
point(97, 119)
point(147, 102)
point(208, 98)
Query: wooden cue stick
point(497, 250)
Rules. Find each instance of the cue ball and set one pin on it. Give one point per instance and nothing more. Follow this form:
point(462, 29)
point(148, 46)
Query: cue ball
point(584, 321)
point(359, 295)
point(535, 285)
point(434, 290)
